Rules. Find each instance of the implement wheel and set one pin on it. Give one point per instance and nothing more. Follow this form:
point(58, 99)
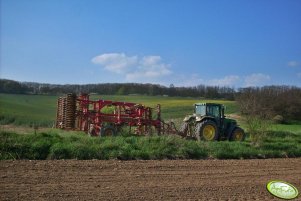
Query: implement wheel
point(108, 131)
point(206, 130)
point(237, 134)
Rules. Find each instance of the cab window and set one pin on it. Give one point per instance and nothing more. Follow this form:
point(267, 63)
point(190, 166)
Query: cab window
point(213, 111)
point(200, 110)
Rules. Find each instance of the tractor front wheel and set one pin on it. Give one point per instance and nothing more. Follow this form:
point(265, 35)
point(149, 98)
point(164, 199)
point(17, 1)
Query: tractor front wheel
point(237, 134)
point(206, 130)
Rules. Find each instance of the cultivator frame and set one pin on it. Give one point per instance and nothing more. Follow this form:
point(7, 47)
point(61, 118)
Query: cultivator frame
point(106, 117)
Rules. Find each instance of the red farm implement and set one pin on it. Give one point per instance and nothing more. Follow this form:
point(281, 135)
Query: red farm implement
point(106, 118)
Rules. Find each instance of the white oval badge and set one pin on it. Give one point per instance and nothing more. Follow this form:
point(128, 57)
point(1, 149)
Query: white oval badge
point(282, 190)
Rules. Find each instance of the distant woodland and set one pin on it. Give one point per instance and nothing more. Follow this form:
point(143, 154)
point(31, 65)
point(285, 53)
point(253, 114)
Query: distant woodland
point(10, 86)
point(280, 103)
point(265, 102)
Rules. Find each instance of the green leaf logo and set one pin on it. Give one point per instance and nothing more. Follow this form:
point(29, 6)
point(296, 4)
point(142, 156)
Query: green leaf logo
point(282, 190)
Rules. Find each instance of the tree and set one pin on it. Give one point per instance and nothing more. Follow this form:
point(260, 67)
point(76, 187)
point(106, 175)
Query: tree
point(269, 101)
point(121, 91)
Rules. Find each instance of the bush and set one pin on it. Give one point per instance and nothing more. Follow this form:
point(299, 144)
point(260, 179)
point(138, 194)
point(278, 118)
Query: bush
point(257, 128)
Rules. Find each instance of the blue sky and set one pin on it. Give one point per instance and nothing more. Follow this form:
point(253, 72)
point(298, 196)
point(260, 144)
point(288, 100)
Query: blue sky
point(235, 43)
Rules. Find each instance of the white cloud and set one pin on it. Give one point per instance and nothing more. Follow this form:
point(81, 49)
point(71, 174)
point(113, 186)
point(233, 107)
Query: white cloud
point(150, 60)
point(229, 80)
point(256, 79)
point(115, 62)
point(195, 79)
point(293, 63)
point(142, 69)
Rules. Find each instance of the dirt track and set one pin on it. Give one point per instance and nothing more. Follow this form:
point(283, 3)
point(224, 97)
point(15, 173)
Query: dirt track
point(145, 180)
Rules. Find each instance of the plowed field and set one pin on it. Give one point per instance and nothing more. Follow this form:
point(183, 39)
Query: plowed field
point(145, 180)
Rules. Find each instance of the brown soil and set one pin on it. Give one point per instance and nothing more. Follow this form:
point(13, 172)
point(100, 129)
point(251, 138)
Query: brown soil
point(145, 180)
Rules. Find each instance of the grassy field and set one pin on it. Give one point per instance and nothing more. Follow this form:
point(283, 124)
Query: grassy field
point(27, 109)
point(41, 109)
point(21, 111)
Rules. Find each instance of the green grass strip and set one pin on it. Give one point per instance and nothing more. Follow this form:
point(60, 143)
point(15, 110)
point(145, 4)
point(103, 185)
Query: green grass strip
point(56, 145)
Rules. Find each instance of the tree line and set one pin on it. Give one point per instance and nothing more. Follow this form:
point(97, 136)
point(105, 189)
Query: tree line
point(270, 101)
point(11, 86)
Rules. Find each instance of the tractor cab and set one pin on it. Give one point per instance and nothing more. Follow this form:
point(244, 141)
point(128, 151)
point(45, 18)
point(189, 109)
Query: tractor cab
point(210, 124)
point(209, 109)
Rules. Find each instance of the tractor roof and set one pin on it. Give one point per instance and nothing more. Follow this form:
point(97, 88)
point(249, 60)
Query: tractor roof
point(212, 104)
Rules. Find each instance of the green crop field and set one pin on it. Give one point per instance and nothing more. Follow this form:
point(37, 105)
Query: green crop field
point(27, 109)
point(41, 109)
point(282, 140)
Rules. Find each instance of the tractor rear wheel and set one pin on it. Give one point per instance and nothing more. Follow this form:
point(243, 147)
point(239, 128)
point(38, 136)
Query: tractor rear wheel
point(206, 130)
point(237, 134)
point(108, 131)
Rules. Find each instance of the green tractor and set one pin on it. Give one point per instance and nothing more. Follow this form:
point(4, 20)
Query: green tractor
point(208, 123)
